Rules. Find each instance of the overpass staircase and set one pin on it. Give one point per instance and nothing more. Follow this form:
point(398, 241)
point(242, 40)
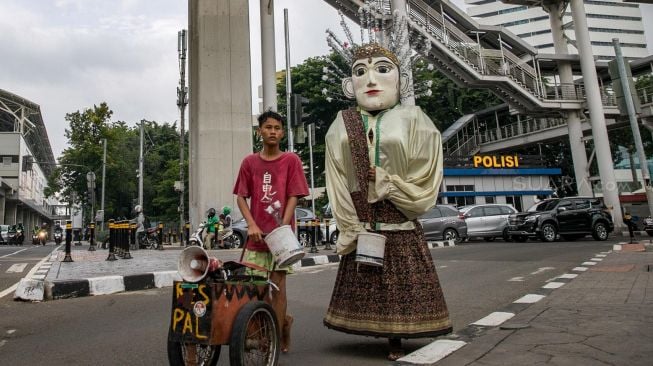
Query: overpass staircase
point(474, 55)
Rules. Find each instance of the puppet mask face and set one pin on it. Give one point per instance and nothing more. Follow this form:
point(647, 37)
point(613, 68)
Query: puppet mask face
point(376, 83)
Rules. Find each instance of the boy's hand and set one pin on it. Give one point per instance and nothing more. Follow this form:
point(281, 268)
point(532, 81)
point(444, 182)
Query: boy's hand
point(255, 233)
point(371, 174)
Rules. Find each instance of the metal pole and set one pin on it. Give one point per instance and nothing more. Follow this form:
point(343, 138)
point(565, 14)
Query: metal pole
point(310, 155)
point(182, 102)
point(140, 167)
point(104, 175)
point(630, 107)
point(268, 60)
point(291, 146)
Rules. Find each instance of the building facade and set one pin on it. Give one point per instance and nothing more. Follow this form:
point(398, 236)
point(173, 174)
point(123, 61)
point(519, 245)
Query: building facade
point(503, 178)
point(26, 160)
point(606, 20)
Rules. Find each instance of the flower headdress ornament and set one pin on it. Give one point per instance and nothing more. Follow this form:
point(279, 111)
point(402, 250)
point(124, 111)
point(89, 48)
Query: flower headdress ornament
point(380, 35)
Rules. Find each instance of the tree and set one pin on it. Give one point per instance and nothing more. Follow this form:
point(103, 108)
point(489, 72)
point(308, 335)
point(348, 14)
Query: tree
point(161, 164)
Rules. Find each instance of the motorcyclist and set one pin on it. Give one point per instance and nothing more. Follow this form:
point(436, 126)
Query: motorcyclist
point(140, 222)
point(225, 219)
point(211, 222)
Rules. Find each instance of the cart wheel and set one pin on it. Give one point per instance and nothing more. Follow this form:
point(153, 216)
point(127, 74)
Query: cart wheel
point(255, 336)
point(192, 354)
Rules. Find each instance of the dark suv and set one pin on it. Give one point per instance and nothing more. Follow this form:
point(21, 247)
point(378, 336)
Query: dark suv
point(571, 217)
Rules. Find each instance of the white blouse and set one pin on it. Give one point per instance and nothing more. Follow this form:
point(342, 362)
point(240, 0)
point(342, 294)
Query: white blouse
point(408, 169)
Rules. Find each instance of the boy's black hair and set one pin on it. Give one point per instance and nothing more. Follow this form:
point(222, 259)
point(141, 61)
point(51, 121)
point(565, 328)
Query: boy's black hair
point(269, 114)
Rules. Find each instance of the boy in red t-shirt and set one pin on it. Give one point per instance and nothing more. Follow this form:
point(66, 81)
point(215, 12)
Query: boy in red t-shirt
point(273, 181)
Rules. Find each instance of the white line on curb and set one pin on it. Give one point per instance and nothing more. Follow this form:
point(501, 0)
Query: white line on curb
point(579, 269)
point(494, 319)
point(601, 255)
point(106, 285)
point(588, 263)
point(554, 285)
point(432, 352)
point(568, 275)
point(596, 259)
point(529, 299)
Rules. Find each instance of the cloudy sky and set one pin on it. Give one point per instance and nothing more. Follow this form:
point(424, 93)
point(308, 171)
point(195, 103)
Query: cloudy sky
point(67, 55)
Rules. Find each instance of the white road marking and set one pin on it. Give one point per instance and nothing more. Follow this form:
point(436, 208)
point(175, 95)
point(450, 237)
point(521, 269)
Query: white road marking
point(494, 319)
point(542, 269)
point(588, 263)
point(596, 259)
point(516, 279)
point(529, 299)
point(601, 255)
point(432, 352)
point(11, 331)
point(29, 275)
point(568, 275)
point(38, 277)
point(17, 268)
point(10, 254)
point(579, 269)
point(554, 285)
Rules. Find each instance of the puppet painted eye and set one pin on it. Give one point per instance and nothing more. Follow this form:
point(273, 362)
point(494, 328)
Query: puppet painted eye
point(360, 71)
point(384, 68)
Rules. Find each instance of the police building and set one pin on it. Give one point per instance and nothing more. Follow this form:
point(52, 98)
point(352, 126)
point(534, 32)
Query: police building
point(515, 179)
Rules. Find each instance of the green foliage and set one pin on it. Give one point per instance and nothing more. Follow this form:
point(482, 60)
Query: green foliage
point(86, 130)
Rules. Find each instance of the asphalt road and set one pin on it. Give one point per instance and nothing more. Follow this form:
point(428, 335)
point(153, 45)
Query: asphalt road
point(16, 261)
point(131, 328)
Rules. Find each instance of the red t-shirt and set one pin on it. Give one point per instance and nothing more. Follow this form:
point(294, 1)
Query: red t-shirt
point(268, 185)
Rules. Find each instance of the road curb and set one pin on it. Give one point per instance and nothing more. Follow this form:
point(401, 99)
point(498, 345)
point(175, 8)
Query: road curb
point(65, 289)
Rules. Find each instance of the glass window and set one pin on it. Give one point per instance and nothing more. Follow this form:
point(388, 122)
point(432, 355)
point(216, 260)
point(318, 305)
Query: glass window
point(475, 212)
point(448, 211)
point(490, 199)
point(492, 211)
point(582, 204)
point(566, 204)
point(432, 214)
point(505, 210)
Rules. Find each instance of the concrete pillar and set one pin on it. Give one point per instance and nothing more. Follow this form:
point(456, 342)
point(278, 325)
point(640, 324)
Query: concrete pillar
point(3, 200)
point(576, 144)
point(10, 212)
point(220, 123)
point(268, 57)
point(597, 117)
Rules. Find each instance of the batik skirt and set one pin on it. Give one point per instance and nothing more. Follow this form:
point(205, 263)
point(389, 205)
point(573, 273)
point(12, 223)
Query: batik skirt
point(402, 299)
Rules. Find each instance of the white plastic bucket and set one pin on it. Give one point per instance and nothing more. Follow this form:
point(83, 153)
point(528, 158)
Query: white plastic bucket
point(370, 249)
point(284, 246)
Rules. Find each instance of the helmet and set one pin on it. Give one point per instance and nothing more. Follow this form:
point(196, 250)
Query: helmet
point(138, 208)
point(226, 210)
point(211, 212)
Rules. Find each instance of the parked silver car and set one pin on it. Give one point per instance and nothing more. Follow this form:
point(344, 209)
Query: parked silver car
point(444, 222)
point(488, 221)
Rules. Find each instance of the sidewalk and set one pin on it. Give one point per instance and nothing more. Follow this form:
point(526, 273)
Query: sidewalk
point(602, 316)
point(91, 274)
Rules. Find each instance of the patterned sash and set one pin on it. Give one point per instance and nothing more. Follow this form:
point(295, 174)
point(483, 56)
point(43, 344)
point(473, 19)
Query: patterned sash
point(383, 211)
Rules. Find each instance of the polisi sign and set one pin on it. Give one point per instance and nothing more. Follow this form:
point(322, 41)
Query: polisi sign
point(493, 161)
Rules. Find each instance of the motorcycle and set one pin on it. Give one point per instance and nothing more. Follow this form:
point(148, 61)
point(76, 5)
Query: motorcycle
point(148, 239)
point(648, 225)
point(58, 235)
point(39, 237)
point(197, 238)
point(19, 238)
